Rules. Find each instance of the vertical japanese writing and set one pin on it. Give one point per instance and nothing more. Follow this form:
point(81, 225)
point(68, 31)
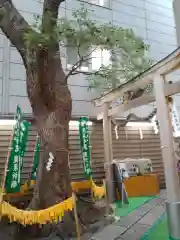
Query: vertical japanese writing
point(175, 121)
point(18, 147)
point(85, 148)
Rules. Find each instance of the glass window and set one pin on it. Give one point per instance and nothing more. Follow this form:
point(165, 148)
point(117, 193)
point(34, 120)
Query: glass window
point(103, 3)
point(100, 57)
point(73, 57)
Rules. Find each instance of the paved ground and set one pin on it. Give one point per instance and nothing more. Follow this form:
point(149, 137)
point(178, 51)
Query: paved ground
point(135, 224)
point(132, 226)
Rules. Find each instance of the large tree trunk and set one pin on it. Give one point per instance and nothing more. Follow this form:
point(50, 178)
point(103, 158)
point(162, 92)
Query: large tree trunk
point(51, 104)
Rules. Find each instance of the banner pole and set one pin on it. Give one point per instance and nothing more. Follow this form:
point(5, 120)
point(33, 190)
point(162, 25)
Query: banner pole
point(3, 182)
point(106, 198)
point(76, 216)
point(34, 153)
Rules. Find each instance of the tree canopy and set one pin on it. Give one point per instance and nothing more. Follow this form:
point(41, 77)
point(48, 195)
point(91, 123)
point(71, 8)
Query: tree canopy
point(126, 51)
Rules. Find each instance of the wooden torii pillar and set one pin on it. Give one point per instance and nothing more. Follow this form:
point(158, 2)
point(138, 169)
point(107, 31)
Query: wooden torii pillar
point(108, 155)
point(168, 154)
point(166, 136)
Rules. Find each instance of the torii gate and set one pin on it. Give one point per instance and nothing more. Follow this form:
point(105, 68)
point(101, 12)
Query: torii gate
point(156, 75)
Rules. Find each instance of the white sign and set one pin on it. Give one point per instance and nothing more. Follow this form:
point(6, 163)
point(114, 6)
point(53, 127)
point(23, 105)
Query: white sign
point(175, 121)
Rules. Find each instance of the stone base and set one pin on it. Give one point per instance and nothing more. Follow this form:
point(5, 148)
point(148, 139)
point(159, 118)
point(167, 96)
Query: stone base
point(173, 217)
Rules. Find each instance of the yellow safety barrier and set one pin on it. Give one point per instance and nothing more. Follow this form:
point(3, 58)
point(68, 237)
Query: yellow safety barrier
point(76, 187)
point(51, 214)
point(24, 217)
point(98, 192)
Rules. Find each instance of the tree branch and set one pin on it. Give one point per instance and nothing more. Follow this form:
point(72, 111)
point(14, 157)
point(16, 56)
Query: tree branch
point(74, 70)
point(13, 25)
point(96, 73)
point(50, 7)
point(49, 61)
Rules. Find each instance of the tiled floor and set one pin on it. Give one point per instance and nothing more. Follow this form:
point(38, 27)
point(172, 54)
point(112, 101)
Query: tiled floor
point(135, 224)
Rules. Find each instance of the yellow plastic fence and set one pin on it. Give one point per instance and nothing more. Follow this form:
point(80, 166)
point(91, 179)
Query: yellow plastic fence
point(51, 214)
point(98, 192)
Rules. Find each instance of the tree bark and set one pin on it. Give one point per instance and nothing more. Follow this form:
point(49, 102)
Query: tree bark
point(51, 104)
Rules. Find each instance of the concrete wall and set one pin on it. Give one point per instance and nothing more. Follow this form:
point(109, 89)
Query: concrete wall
point(151, 19)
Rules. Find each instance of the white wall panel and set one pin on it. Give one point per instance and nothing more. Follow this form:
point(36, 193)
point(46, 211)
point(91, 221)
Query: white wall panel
point(135, 3)
point(0, 88)
point(167, 39)
point(1, 69)
point(34, 7)
point(163, 3)
point(128, 9)
point(21, 101)
point(129, 19)
point(15, 57)
point(17, 71)
point(18, 88)
point(0, 103)
point(160, 10)
point(160, 19)
point(82, 108)
point(160, 47)
point(161, 28)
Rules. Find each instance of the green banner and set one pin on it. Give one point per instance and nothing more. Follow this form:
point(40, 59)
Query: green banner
point(18, 147)
point(85, 148)
point(36, 160)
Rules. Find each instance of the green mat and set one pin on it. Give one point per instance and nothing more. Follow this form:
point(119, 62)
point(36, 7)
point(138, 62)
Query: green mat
point(158, 231)
point(135, 202)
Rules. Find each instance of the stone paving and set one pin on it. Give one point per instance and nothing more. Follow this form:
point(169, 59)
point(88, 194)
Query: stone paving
point(136, 223)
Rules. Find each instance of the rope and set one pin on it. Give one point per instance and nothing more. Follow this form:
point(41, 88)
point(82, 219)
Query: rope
point(135, 117)
point(129, 118)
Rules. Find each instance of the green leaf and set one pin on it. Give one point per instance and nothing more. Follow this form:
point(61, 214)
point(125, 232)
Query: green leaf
point(129, 52)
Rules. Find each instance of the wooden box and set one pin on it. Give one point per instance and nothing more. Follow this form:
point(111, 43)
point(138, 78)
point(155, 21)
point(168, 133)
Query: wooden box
point(146, 185)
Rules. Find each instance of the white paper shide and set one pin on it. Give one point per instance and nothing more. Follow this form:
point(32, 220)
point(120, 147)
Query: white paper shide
point(50, 162)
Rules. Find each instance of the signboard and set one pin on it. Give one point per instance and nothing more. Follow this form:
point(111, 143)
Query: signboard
point(18, 147)
point(175, 120)
point(85, 148)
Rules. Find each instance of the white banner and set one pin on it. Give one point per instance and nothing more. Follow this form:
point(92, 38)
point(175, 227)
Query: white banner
point(175, 120)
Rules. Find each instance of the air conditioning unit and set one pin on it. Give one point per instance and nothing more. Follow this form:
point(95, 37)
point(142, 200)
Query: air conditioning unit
point(134, 167)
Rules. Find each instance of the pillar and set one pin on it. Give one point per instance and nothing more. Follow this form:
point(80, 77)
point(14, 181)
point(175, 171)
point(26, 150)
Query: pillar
point(168, 155)
point(108, 153)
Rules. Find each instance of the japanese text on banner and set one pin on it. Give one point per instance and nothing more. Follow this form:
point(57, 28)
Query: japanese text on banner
point(18, 147)
point(85, 147)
